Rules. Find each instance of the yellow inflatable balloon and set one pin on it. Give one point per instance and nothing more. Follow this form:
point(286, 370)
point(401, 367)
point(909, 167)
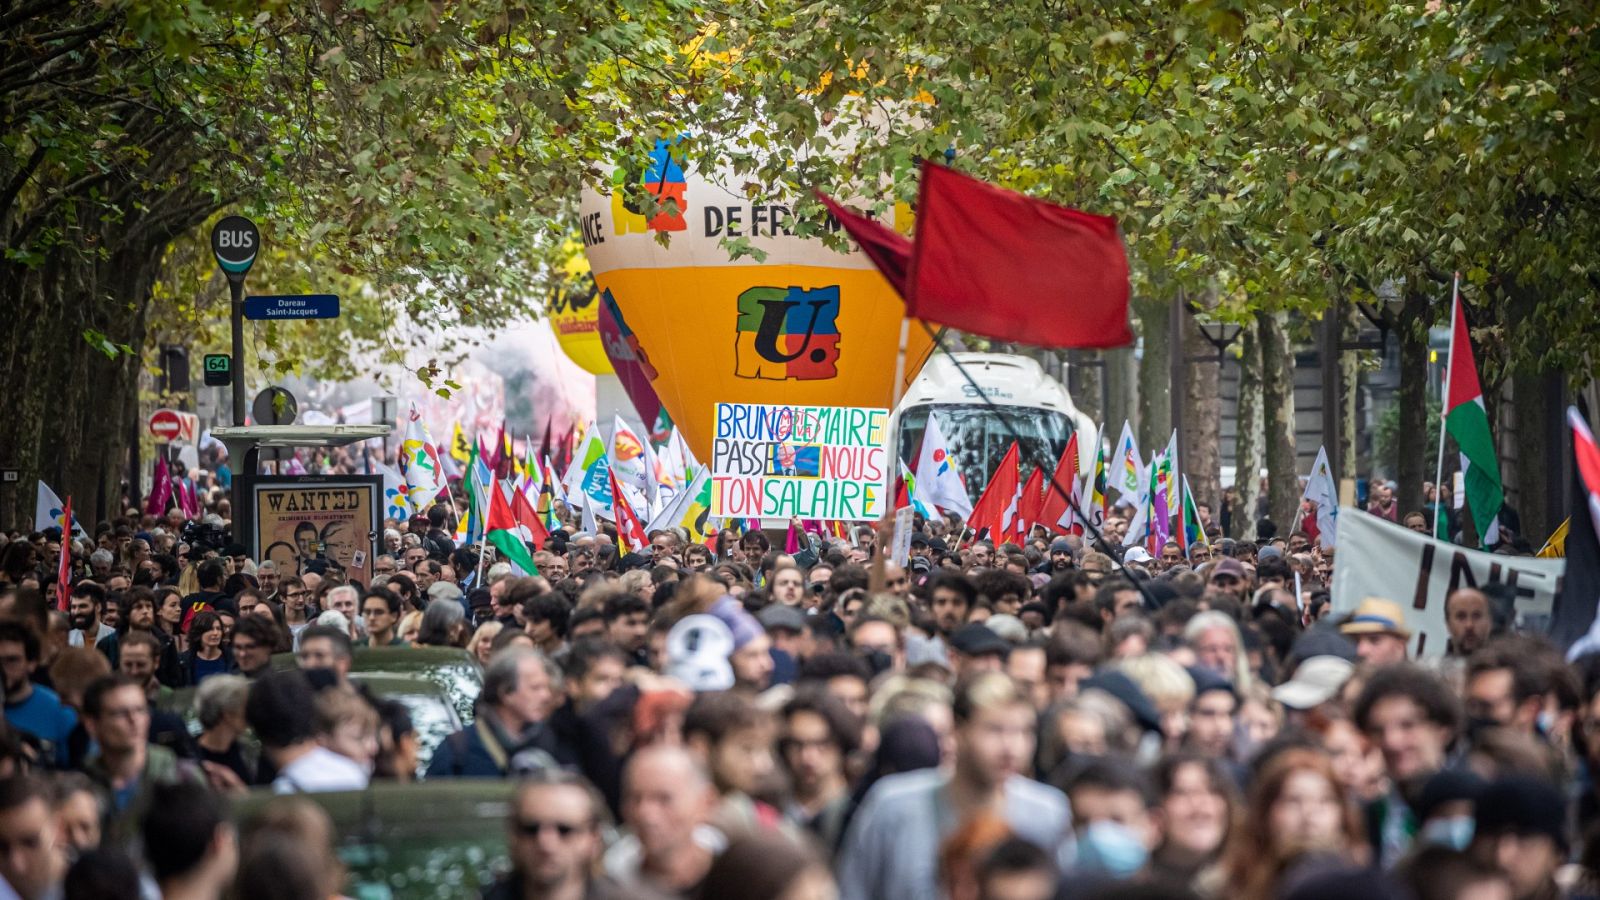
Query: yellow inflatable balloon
point(806, 325)
point(574, 313)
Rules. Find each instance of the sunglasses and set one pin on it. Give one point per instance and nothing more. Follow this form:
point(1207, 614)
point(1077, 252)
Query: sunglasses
point(530, 828)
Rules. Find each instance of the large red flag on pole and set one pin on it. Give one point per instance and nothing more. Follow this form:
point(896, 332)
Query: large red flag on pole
point(1028, 506)
point(998, 496)
point(993, 262)
point(996, 263)
point(1061, 488)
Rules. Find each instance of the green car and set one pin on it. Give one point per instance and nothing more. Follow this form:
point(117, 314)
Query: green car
point(438, 686)
point(444, 839)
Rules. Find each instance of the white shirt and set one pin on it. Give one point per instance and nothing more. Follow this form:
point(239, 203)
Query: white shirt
point(318, 771)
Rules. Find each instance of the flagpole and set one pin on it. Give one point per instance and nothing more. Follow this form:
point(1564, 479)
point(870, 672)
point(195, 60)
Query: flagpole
point(483, 543)
point(876, 575)
point(1449, 368)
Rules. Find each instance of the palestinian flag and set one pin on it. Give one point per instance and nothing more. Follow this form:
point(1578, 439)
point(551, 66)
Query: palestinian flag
point(503, 531)
point(1467, 422)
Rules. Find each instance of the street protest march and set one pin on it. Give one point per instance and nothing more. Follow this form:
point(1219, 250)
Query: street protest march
point(799, 451)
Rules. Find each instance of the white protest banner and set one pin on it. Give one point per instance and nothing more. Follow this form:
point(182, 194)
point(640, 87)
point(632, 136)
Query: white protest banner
point(900, 547)
point(815, 462)
point(1377, 558)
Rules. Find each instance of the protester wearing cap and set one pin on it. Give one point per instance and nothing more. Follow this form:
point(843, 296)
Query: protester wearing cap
point(1213, 714)
point(1136, 556)
point(1379, 629)
point(1230, 576)
point(1316, 681)
point(919, 545)
point(1521, 830)
point(975, 648)
point(786, 629)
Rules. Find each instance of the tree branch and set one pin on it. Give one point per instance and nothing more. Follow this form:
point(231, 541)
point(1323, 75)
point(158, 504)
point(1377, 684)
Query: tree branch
point(9, 196)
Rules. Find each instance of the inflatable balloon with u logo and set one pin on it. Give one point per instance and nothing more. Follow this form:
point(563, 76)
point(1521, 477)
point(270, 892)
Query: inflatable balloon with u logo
point(804, 325)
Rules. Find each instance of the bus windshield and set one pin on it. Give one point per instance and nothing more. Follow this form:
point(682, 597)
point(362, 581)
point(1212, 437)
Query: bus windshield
point(979, 435)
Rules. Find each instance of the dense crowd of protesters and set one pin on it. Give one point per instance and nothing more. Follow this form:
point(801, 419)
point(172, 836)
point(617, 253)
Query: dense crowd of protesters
point(1033, 719)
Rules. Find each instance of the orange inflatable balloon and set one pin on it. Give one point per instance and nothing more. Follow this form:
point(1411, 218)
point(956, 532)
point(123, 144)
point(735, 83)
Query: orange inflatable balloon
point(808, 325)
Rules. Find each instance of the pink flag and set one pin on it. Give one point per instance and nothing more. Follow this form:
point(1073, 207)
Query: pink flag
point(160, 490)
point(189, 500)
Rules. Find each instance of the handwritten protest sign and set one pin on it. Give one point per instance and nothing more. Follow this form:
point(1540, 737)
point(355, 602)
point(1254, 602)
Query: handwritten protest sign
point(815, 462)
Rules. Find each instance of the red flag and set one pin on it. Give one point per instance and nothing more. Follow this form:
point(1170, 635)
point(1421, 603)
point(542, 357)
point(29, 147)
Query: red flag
point(996, 263)
point(630, 534)
point(1065, 484)
point(64, 568)
point(528, 518)
point(998, 495)
point(544, 445)
point(889, 250)
point(1029, 505)
point(160, 490)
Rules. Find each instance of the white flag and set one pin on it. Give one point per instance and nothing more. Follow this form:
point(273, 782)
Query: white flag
point(1127, 474)
point(48, 512)
point(419, 462)
point(628, 457)
point(938, 483)
point(396, 504)
point(1321, 490)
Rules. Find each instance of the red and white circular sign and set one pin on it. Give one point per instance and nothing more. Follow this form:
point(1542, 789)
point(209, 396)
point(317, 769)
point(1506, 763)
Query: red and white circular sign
point(166, 424)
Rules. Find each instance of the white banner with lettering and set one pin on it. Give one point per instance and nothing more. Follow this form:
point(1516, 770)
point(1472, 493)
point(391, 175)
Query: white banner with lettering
point(1377, 558)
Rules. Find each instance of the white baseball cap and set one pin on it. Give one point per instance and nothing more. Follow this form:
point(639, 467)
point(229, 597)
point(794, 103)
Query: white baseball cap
point(1315, 682)
point(697, 653)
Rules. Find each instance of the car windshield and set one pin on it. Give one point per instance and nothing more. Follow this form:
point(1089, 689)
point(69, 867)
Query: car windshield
point(978, 436)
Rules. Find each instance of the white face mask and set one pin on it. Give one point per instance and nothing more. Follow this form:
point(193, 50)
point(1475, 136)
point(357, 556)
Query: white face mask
point(1111, 848)
point(1454, 832)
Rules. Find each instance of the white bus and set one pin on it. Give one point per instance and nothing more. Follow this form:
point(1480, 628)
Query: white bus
point(1024, 399)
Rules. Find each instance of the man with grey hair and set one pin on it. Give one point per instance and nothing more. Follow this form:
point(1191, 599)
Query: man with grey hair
point(100, 563)
point(267, 576)
point(509, 737)
point(346, 601)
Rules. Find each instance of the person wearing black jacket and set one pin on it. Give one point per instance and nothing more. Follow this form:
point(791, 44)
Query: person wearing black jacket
point(578, 733)
point(212, 574)
point(207, 654)
point(138, 607)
